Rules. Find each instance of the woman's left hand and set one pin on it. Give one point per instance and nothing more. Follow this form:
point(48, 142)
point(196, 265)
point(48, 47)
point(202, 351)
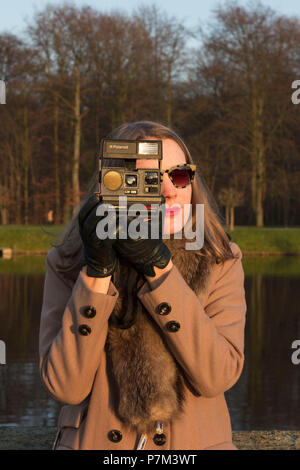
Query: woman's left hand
point(144, 254)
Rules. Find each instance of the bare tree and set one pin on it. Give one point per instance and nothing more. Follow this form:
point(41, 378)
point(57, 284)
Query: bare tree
point(169, 54)
point(60, 36)
point(16, 69)
point(230, 198)
point(255, 47)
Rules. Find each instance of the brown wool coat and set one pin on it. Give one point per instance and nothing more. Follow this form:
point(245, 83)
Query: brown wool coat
point(208, 347)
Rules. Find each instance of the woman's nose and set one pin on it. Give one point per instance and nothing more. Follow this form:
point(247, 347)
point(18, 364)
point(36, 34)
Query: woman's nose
point(167, 188)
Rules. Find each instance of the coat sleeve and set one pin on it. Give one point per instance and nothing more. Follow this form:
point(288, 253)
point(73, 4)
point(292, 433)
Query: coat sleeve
point(68, 358)
point(209, 344)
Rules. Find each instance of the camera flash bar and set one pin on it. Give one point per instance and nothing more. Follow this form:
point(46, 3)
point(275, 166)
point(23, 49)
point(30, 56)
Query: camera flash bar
point(147, 148)
point(131, 149)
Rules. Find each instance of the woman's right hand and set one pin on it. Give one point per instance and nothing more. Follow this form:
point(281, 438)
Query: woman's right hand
point(99, 255)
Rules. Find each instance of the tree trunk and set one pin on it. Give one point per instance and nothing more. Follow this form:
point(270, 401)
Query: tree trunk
point(77, 135)
point(67, 203)
point(227, 216)
point(97, 120)
point(231, 218)
point(257, 158)
point(14, 185)
point(169, 99)
point(57, 215)
point(67, 169)
point(26, 158)
point(11, 181)
point(4, 218)
point(18, 217)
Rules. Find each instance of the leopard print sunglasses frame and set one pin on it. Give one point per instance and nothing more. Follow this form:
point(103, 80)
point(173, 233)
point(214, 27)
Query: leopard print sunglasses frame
point(190, 169)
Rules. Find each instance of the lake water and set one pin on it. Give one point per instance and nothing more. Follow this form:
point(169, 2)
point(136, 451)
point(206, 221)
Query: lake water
point(266, 396)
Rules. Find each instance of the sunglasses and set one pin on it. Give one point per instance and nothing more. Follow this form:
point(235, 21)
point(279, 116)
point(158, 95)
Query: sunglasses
point(181, 175)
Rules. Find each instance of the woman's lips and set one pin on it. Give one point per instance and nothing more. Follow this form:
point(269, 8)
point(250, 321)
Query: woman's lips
point(172, 211)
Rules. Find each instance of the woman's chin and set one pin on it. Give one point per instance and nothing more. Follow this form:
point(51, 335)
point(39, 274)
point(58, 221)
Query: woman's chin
point(172, 224)
point(175, 221)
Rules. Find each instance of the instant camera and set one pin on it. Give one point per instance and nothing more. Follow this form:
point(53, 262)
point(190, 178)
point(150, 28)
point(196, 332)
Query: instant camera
point(118, 175)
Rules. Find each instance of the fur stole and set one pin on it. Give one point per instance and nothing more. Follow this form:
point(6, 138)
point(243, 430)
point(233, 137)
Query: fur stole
point(149, 381)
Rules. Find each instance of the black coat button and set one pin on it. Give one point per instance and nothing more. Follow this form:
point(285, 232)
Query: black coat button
point(172, 326)
point(115, 435)
point(84, 330)
point(159, 439)
point(89, 311)
point(163, 309)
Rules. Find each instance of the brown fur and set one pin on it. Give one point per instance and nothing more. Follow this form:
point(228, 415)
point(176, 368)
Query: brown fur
point(148, 377)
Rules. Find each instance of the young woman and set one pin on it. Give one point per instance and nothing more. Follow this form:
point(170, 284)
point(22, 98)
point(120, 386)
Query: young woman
point(141, 338)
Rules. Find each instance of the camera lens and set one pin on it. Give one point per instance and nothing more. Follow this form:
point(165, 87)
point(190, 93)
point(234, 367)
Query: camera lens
point(151, 177)
point(131, 180)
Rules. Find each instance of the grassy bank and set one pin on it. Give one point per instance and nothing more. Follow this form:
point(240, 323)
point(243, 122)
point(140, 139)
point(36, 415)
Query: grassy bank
point(283, 266)
point(251, 240)
point(28, 238)
point(276, 266)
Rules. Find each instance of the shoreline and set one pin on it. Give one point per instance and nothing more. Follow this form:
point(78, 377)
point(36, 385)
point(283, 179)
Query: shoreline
point(42, 438)
point(253, 242)
point(245, 253)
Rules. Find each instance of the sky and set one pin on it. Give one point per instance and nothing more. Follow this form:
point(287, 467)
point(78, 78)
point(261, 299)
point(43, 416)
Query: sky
point(13, 13)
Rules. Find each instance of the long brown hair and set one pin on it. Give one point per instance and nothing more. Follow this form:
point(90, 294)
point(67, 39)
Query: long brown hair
point(216, 241)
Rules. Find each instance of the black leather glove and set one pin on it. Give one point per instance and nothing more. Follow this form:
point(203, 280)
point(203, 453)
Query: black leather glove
point(99, 255)
point(144, 254)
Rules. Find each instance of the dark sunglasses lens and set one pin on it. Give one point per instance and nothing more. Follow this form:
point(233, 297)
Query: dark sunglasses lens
point(181, 177)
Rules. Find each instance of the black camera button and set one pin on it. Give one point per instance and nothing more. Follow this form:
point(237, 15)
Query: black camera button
point(131, 180)
point(151, 190)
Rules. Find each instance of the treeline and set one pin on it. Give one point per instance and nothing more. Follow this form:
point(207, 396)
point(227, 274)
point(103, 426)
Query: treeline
point(78, 73)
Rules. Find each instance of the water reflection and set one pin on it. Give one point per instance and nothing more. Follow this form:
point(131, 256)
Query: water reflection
point(23, 399)
point(266, 396)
